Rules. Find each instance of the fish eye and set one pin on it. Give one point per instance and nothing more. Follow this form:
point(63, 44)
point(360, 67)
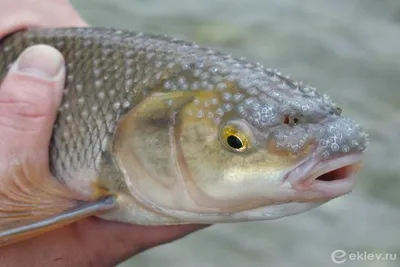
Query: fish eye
point(234, 142)
point(234, 138)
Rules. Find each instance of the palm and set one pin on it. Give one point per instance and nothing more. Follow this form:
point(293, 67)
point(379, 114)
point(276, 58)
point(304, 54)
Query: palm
point(93, 242)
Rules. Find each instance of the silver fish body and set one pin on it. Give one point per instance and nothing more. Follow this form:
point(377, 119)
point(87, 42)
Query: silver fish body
point(181, 133)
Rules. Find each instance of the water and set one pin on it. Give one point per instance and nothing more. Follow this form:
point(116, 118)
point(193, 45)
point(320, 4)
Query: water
point(350, 49)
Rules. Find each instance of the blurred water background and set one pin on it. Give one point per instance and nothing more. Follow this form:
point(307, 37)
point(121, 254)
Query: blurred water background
point(350, 49)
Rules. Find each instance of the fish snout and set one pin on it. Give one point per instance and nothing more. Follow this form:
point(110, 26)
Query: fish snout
point(339, 137)
point(330, 171)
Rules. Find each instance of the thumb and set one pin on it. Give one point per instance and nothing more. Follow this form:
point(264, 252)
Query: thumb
point(29, 98)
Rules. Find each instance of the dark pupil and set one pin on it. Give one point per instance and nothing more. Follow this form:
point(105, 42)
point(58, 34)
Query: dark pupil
point(234, 142)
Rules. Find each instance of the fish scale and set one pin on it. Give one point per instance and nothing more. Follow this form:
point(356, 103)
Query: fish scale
point(80, 130)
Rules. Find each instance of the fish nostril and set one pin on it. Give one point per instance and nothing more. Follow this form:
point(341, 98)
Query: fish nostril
point(286, 119)
point(290, 120)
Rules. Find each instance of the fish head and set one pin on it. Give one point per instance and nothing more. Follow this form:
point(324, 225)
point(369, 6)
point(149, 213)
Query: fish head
point(237, 142)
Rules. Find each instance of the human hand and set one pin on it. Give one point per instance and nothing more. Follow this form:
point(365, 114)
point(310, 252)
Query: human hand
point(19, 14)
point(29, 98)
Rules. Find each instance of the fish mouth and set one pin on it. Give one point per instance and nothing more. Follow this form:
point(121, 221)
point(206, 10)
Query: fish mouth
point(326, 178)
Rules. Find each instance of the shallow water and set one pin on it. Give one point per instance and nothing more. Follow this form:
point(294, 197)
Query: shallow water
point(349, 49)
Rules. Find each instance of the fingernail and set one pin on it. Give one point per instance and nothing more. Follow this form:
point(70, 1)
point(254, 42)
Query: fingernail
point(42, 61)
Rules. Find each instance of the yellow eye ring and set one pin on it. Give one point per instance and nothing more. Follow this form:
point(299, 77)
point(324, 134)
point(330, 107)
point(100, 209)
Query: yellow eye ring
point(234, 139)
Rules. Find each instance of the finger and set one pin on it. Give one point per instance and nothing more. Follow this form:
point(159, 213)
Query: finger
point(37, 14)
point(29, 97)
point(120, 241)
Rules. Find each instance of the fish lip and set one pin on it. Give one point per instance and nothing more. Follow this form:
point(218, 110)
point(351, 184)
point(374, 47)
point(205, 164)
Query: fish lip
point(305, 176)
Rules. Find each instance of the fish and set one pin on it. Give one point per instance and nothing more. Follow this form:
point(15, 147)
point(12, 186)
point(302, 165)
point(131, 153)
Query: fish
point(155, 130)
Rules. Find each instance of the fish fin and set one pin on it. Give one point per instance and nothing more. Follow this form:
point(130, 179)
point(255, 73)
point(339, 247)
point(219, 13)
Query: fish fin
point(34, 229)
point(33, 202)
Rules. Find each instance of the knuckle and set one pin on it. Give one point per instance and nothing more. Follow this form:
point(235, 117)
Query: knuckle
point(26, 104)
point(33, 98)
point(22, 116)
point(26, 109)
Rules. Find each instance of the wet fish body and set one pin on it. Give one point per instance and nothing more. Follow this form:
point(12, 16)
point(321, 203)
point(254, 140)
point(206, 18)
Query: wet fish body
point(156, 130)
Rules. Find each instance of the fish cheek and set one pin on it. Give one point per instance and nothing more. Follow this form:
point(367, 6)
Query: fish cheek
point(144, 149)
point(225, 176)
point(293, 149)
point(212, 172)
point(202, 161)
